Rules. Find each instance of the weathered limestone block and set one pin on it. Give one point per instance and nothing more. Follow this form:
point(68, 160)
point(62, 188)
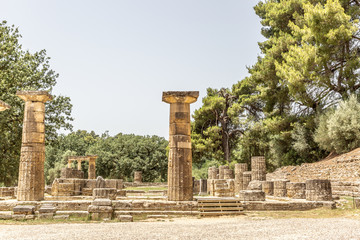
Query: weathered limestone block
point(224, 188)
point(255, 185)
point(4, 106)
point(222, 171)
point(228, 174)
point(121, 193)
point(7, 192)
point(114, 183)
point(105, 193)
point(252, 195)
point(125, 218)
point(180, 156)
point(268, 187)
point(71, 173)
point(47, 208)
point(318, 190)
point(100, 182)
point(31, 184)
point(280, 188)
point(101, 209)
point(246, 179)
point(137, 177)
point(24, 210)
point(295, 190)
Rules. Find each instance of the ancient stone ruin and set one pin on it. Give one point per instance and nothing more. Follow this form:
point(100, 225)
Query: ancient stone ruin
point(137, 177)
point(92, 164)
point(31, 168)
point(180, 158)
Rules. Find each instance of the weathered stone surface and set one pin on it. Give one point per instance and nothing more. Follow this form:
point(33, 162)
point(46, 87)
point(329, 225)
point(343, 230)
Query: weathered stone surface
point(105, 193)
point(31, 167)
point(228, 174)
point(100, 182)
point(255, 185)
point(125, 218)
point(224, 187)
point(258, 168)
point(7, 192)
point(251, 195)
point(46, 215)
point(3, 106)
point(295, 190)
point(180, 158)
point(318, 190)
point(63, 217)
point(280, 188)
point(47, 208)
point(246, 179)
point(121, 193)
point(18, 216)
point(24, 209)
point(71, 173)
point(137, 176)
point(240, 168)
point(102, 202)
point(268, 187)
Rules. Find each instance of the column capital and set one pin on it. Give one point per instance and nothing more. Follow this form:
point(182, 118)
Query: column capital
point(180, 96)
point(34, 96)
point(3, 106)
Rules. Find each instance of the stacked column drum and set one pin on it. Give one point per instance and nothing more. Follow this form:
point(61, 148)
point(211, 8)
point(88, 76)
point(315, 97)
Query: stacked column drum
point(240, 168)
point(258, 168)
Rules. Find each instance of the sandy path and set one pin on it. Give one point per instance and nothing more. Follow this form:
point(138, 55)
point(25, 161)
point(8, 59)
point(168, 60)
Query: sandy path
point(208, 228)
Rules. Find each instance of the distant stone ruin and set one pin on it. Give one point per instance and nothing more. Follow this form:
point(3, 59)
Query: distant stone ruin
point(92, 164)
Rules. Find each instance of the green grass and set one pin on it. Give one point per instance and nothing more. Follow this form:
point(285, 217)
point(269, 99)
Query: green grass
point(146, 189)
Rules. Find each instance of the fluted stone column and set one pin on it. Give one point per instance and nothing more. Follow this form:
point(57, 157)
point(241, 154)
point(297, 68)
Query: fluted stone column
point(92, 167)
point(31, 184)
point(180, 159)
point(3, 106)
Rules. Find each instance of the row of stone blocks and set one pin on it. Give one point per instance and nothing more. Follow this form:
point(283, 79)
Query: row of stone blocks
point(8, 192)
point(75, 187)
point(311, 190)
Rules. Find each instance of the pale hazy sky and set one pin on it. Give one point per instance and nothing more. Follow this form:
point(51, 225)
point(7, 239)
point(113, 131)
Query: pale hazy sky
point(115, 58)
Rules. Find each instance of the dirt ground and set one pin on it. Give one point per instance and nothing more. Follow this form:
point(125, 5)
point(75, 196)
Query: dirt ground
point(242, 227)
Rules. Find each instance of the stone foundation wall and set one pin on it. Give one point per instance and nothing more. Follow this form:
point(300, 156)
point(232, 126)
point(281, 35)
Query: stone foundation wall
point(343, 171)
point(75, 187)
point(71, 173)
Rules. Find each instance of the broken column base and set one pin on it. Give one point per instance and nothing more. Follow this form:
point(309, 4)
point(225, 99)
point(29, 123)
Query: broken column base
point(224, 187)
point(252, 195)
point(101, 209)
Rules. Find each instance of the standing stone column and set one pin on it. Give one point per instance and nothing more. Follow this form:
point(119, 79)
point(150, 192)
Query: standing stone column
point(69, 163)
point(31, 170)
point(180, 158)
point(92, 167)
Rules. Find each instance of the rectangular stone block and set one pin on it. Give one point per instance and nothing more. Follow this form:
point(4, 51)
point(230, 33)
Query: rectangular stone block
point(24, 209)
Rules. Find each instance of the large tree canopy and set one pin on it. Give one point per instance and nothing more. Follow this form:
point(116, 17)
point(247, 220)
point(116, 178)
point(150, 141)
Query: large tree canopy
point(22, 70)
point(309, 62)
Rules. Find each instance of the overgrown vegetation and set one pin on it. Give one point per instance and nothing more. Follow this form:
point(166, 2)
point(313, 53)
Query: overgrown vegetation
point(118, 156)
point(310, 62)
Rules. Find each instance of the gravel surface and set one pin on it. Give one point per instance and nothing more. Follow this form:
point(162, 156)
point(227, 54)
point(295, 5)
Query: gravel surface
point(207, 228)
